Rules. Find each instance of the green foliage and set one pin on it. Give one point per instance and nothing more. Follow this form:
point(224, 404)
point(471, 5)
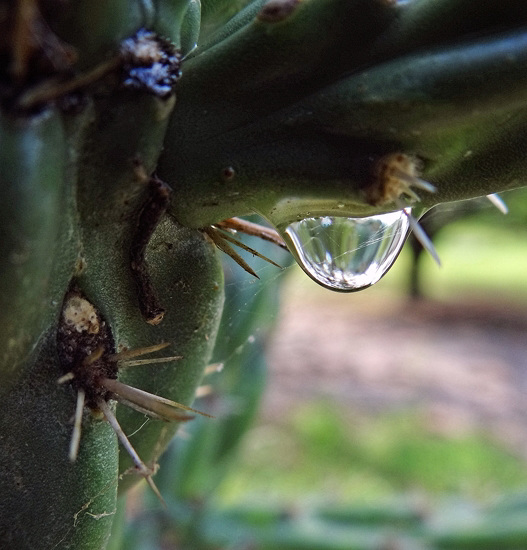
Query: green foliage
point(371, 459)
point(347, 484)
point(390, 482)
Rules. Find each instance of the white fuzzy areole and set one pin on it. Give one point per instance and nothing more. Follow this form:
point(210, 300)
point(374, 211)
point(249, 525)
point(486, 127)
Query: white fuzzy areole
point(81, 315)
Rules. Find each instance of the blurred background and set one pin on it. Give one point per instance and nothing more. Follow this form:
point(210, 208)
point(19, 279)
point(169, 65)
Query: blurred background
point(390, 418)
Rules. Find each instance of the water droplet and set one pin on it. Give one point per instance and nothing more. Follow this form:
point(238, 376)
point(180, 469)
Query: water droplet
point(347, 254)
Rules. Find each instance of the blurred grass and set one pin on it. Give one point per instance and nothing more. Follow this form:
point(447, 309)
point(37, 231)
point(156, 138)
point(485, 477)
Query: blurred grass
point(483, 255)
point(324, 452)
point(478, 259)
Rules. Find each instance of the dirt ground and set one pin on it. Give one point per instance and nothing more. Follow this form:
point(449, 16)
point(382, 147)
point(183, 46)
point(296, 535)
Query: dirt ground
point(463, 366)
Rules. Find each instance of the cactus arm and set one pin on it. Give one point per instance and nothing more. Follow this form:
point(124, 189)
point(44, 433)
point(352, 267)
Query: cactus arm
point(222, 85)
point(284, 111)
point(458, 108)
point(32, 172)
point(79, 498)
point(72, 192)
point(46, 501)
point(181, 263)
point(190, 27)
point(322, 149)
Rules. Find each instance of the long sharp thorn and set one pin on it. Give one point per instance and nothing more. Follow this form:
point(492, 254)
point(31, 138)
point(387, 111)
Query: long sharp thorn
point(137, 362)
point(77, 426)
point(145, 472)
point(121, 435)
point(65, 378)
point(424, 185)
point(498, 202)
point(131, 353)
point(159, 405)
point(150, 413)
point(243, 246)
point(137, 408)
point(154, 488)
point(253, 229)
point(218, 240)
point(414, 181)
point(420, 234)
point(423, 238)
point(191, 51)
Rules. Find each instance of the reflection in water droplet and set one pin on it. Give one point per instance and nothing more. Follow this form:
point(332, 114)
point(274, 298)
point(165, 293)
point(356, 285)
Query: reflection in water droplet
point(347, 254)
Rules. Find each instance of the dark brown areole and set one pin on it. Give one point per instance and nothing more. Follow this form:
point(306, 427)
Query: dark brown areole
point(85, 347)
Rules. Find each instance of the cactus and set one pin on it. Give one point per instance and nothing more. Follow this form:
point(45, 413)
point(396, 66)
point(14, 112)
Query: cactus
point(121, 144)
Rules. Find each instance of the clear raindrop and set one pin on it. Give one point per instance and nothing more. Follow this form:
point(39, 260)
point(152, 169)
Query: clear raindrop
point(347, 254)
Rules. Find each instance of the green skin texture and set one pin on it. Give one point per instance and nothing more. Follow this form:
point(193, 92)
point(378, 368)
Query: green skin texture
point(301, 108)
point(78, 499)
point(70, 201)
point(366, 86)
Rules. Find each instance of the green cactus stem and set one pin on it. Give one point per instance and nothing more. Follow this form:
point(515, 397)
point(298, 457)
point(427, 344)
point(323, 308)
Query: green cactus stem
point(333, 107)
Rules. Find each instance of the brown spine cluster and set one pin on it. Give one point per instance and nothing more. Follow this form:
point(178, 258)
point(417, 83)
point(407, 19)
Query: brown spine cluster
point(393, 174)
